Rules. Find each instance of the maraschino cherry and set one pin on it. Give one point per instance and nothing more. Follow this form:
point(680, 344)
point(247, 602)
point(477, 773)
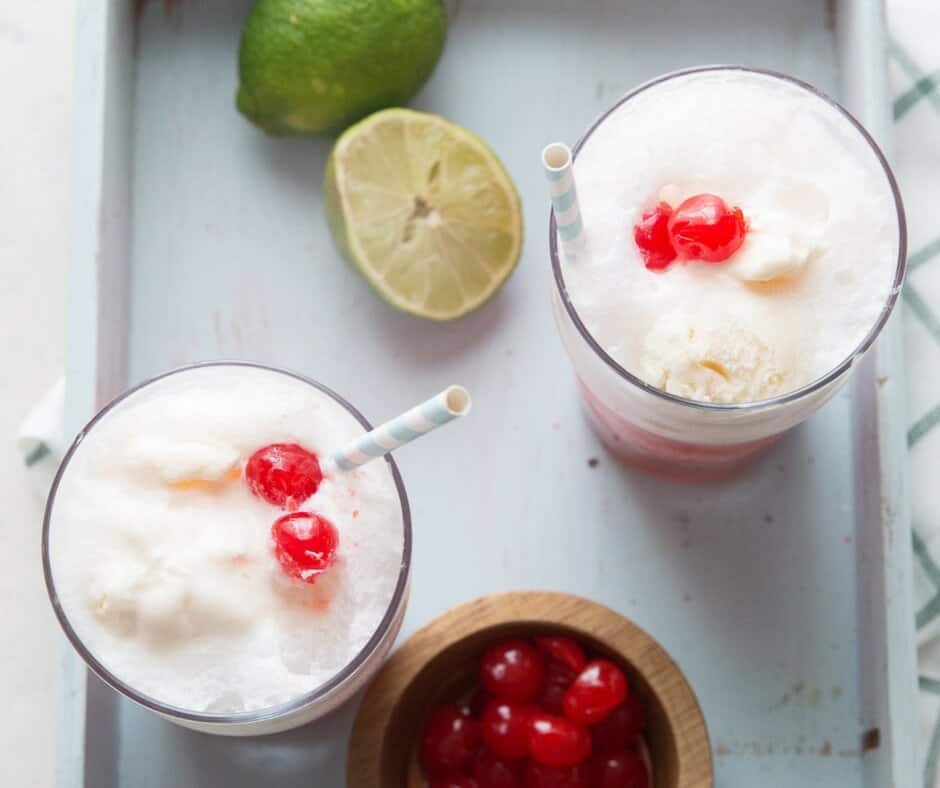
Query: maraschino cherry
point(599, 689)
point(283, 474)
point(449, 743)
point(564, 649)
point(512, 670)
point(491, 771)
point(539, 775)
point(455, 781)
point(702, 227)
point(621, 729)
point(619, 770)
point(558, 741)
point(705, 228)
point(546, 713)
point(651, 235)
point(505, 727)
point(304, 544)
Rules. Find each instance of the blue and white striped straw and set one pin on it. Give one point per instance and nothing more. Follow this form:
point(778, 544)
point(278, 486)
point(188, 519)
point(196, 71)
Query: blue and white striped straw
point(556, 160)
point(452, 403)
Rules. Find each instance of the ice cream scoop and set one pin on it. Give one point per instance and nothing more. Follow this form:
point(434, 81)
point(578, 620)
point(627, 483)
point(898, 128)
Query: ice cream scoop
point(712, 361)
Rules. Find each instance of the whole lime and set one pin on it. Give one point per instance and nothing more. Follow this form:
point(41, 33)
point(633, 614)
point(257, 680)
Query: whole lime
point(316, 66)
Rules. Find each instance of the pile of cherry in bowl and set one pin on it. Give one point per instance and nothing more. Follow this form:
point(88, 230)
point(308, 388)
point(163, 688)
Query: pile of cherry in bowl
point(544, 715)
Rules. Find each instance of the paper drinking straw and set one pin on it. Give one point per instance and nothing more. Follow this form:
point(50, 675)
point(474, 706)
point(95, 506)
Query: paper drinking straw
point(452, 403)
point(556, 160)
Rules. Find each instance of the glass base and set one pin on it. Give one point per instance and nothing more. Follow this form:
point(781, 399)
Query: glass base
point(668, 459)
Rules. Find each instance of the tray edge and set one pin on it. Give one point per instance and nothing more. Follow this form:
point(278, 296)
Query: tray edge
point(96, 311)
point(881, 426)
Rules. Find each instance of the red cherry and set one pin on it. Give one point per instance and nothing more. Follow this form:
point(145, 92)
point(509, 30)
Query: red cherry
point(449, 741)
point(705, 228)
point(283, 474)
point(493, 772)
point(619, 770)
point(304, 544)
point(556, 741)
point(599, 689)
point(621, 728)
point(651, 235)
point(558, 677)
point(512, 670)
point(540, 775)
point(565, 650)
point(505, 728)
point(455, 781)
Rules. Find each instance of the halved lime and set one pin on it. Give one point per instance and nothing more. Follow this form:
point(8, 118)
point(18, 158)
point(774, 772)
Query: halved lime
point(425, 210)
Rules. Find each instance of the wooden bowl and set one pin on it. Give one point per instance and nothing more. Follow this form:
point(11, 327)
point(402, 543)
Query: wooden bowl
point(441, 661)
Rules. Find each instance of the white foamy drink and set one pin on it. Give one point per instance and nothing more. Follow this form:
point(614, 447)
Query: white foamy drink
point(162, 557)
point(813, 274)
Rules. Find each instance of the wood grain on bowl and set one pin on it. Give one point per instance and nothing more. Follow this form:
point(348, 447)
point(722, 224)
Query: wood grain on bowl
point(440, 662)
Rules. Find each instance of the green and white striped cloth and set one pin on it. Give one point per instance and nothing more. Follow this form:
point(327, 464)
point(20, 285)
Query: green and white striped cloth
point(915, 79)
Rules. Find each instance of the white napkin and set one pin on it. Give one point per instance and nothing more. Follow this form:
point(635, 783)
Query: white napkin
point(42, 439)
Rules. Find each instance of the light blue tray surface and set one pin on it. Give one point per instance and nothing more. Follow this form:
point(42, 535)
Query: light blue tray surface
point(777, 594)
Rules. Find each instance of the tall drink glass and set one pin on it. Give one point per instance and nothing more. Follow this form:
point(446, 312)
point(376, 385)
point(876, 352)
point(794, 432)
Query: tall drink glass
point(668, 435)
point(280, 716)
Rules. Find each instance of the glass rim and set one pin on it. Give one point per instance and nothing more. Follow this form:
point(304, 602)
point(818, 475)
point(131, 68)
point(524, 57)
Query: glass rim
point(267, 713)
point(790, 396)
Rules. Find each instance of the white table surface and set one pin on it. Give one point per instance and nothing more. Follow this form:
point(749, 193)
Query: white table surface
point(35, 160)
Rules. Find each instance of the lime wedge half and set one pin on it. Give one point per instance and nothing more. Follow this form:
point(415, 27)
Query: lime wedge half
point(425, 210)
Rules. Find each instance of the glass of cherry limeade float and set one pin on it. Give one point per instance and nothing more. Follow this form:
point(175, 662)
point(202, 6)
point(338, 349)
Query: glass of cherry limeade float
point(735, 242)
point(544, 714)
point(219, 548)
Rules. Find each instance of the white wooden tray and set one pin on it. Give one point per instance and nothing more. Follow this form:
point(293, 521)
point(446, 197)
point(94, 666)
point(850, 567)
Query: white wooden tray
point(785, 595)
